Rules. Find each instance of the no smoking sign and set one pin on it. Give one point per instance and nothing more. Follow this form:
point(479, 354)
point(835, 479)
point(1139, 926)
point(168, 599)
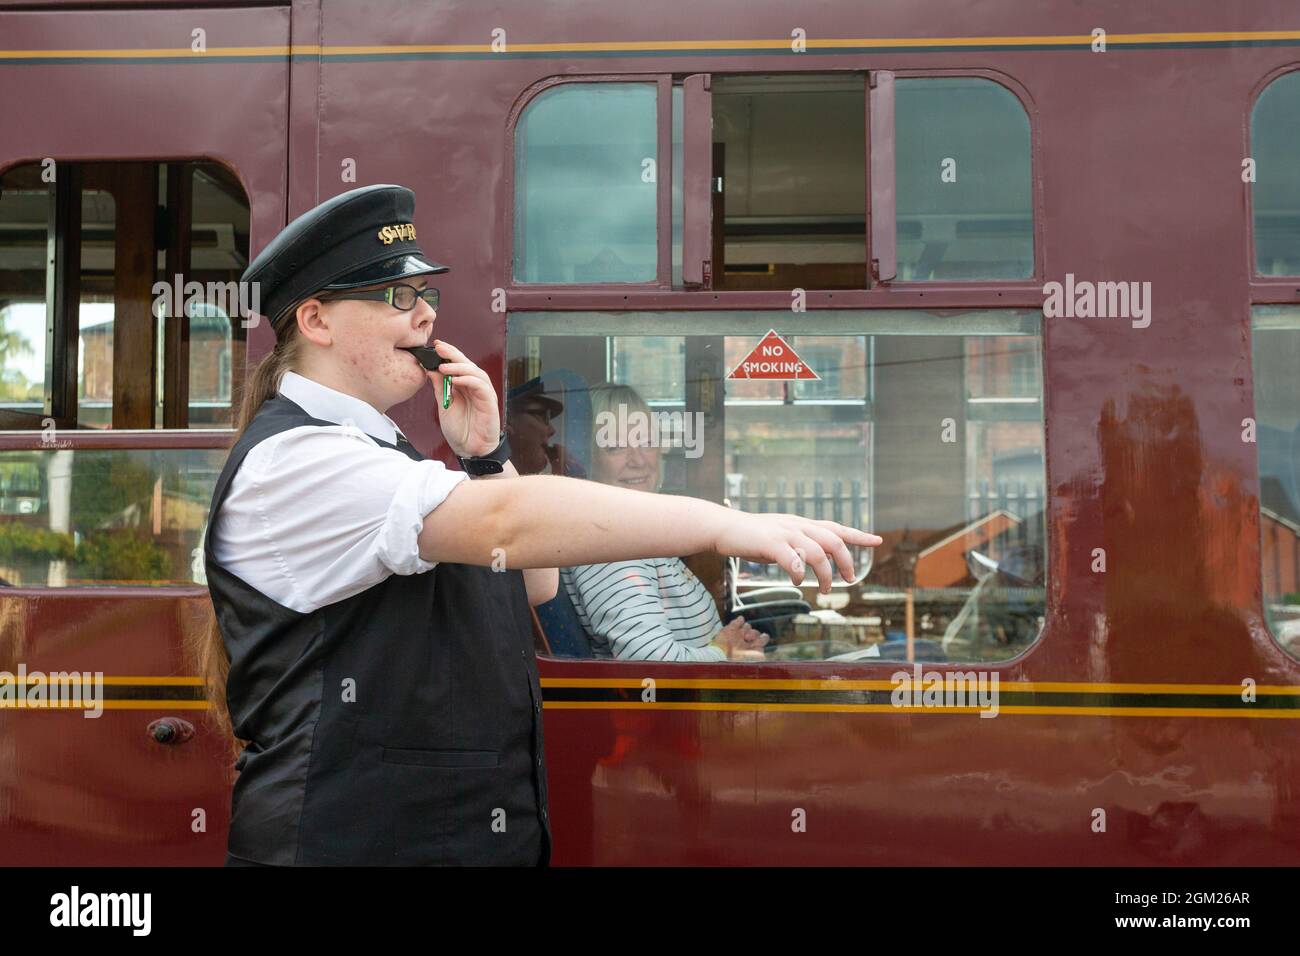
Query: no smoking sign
point(772, 359)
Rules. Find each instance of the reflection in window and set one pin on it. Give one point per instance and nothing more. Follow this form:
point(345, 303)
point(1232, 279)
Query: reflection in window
point(1003, 367)
point(1275, 148)
point(1276, 349)
point(585, 185)
point(934, 441)
point(104, 517)
point(962, 164)
point(219, 222)
point(209, 378)
point(22, 352)
point(654, 365)
point(24, 213)
point(95, 316)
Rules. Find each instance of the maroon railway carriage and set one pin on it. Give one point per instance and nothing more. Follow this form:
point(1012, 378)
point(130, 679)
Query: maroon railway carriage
point(1042, 261)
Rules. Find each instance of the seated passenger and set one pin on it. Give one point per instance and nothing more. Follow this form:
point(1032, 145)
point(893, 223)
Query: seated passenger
point(653, 609)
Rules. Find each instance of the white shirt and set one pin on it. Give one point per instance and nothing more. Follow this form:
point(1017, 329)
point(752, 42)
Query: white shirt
point(319, 513)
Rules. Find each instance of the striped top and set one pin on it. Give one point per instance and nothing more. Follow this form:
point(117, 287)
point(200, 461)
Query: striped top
point(653, 609)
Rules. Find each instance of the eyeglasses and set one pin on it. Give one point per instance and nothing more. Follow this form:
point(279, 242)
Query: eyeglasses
point(399, 296)
point(539, 412)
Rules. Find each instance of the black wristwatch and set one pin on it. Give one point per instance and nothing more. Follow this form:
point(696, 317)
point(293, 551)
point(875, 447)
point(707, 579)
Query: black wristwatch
point(493, 463)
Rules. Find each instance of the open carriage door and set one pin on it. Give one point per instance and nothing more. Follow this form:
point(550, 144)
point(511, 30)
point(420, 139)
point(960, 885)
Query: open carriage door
point(108, 119)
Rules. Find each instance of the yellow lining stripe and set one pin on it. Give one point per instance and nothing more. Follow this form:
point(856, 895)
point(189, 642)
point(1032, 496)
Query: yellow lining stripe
point(267, 51)
point(90, 676)
point(22, 704)
point(1065, 687)
point(634, 46)
point(790, 708)
point(762, 685)
point(891, 709)
point(740, 683)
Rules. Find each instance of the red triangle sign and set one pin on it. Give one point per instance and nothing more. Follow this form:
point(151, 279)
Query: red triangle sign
point(772, 358)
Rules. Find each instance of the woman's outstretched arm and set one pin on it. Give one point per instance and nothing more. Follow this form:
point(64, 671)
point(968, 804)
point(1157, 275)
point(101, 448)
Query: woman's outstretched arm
point(545, 521)
point(542, 584)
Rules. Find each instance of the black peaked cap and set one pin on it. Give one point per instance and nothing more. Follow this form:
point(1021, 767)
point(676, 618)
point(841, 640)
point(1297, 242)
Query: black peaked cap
point(358, 238)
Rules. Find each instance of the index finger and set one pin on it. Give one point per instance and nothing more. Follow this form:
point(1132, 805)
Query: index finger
point(453, 353)
point(852, 535)
point(464, 368)
point(835, 548)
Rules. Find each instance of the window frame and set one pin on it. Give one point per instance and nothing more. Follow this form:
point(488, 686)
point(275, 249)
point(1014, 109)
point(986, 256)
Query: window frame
point(63, 329)
point(1261, 609)
point(707, 323)
point(663, 85)
point(1264, 290)
point(914, 296)
point(921, 294)
point(63, 257)
point(1033, 283)
point(1261, 291)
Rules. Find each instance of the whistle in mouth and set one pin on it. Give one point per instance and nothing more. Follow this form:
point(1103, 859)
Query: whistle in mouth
point(426, 356)
point(430, 359)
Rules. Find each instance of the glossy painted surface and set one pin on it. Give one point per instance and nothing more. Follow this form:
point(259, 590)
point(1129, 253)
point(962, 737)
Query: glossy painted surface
point(102, 791)
point(1137, 162)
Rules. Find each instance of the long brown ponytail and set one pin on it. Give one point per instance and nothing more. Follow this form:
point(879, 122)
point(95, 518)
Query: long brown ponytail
point(207, 648)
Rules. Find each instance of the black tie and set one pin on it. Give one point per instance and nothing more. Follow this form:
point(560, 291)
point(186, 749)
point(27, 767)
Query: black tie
point(406, 448)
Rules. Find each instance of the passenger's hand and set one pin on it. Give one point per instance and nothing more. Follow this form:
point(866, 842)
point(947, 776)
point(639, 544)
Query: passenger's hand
point(794, 543)
point(729, 636)
point(472, 423)
point(740, 641)
point(751, 638)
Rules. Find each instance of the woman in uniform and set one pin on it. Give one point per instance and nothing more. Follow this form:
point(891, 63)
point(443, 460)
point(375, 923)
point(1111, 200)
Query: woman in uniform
point(372, 653)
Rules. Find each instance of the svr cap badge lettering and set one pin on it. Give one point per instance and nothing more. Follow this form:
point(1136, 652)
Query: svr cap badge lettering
point(390, 234)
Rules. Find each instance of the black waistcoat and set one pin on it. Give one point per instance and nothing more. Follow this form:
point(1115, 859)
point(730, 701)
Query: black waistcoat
point(402, 725)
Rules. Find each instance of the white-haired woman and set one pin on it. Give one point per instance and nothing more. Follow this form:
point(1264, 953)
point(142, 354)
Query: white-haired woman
point(646, 608)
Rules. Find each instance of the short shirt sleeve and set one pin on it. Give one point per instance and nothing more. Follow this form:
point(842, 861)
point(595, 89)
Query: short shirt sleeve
point(317, 514)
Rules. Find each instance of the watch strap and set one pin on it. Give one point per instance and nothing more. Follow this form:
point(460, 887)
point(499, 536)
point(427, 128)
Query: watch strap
point(493, 463)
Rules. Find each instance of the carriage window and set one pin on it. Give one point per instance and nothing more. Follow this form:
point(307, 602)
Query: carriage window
point(118, 283)
point(88, 340)
point(962, 161)
point(585, 185)
point(926, 429)
point(1275, 148)
point(787, 200)
point(72, 517)
point(1275, 341)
